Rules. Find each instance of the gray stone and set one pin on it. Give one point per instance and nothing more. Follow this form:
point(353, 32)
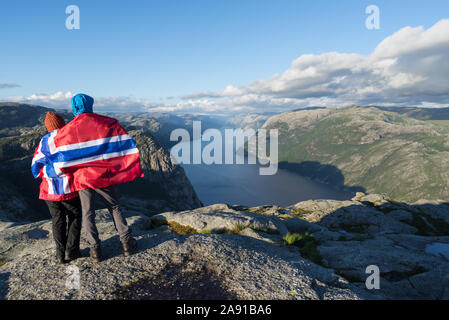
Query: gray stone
point(395, 264)
point(251, 262)
point(248, 268)
point(217, 221)
point(401, 215)
point(361, 219)
point(300, 226)
point(432, 284)
point(271, 238)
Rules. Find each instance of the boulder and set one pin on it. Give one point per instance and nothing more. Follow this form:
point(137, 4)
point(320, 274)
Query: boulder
point(219, 221)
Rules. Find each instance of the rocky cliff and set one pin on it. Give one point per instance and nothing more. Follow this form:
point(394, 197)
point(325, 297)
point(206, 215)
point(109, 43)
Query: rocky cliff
point(311, 250)
point(165, 186)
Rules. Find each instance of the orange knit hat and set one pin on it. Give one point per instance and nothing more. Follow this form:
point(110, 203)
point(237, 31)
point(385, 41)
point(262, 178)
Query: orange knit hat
point(53, 121)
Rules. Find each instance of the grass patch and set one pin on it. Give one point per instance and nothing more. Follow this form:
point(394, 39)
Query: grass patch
point(176, 227)
point(259, 210)
point(2, 263)
point(156, 223)
point(268, 231)
point(186, 230)
point(238, 228)
point(307, 245)
point(181, 229)
point(298, 211)
point(292, 238)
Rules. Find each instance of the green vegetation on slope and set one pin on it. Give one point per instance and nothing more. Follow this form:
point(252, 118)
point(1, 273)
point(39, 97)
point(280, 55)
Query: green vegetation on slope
point(307, 245)
point(366, 148)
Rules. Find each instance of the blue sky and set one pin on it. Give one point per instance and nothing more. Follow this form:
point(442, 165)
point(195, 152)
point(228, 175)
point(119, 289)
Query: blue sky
point(156, 50)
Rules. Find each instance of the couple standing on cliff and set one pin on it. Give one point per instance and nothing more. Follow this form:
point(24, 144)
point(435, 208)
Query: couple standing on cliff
point(88, 156)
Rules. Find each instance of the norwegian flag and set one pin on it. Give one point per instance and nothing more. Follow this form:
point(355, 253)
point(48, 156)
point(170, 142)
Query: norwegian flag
point(92, 151)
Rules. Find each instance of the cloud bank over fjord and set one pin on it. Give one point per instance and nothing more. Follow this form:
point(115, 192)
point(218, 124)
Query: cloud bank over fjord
point(408, 68)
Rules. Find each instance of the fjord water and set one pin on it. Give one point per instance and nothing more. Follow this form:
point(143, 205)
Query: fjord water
point(241, 184)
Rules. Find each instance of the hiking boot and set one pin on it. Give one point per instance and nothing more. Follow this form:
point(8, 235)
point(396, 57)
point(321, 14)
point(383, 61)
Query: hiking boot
point(95, 254)
point(73, 255)
point(60, 258)
point(129, 247)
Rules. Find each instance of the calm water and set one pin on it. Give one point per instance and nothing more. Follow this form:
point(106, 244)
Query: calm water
point(242, 184)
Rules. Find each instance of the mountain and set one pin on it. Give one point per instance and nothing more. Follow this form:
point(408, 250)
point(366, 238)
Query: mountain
point(316, 249)
point(165, 186)
point(366, 149)
point(312, 250)
point(19, 118)
point(420, 113)
point(249, 121)
point(160, 124)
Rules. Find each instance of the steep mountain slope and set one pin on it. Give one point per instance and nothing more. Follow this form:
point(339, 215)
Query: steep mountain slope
point(165, 186)
point(366, 149)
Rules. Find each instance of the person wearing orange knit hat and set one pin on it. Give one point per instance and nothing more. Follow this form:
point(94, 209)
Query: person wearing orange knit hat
point(65, 210)
point(54, 121)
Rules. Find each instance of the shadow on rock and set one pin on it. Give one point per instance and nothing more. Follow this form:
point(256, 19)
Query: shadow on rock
point(187, 280)
point(4, 285)
point(409, 243)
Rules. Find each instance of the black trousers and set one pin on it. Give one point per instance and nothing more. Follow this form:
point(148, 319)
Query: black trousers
point(66, 221)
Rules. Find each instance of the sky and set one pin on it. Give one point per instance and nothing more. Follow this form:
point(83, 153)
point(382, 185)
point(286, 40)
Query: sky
point(218, 56)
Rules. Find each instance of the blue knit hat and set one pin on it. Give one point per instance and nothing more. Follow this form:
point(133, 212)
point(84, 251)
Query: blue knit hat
point(82, 103)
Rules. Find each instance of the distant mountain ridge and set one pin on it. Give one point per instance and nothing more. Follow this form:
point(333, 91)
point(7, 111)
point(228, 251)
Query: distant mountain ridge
point(420, 113)
point(161, 124)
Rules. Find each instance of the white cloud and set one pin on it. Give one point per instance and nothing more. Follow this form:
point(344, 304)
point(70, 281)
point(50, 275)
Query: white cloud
point(56, 100)
point(408, 68)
